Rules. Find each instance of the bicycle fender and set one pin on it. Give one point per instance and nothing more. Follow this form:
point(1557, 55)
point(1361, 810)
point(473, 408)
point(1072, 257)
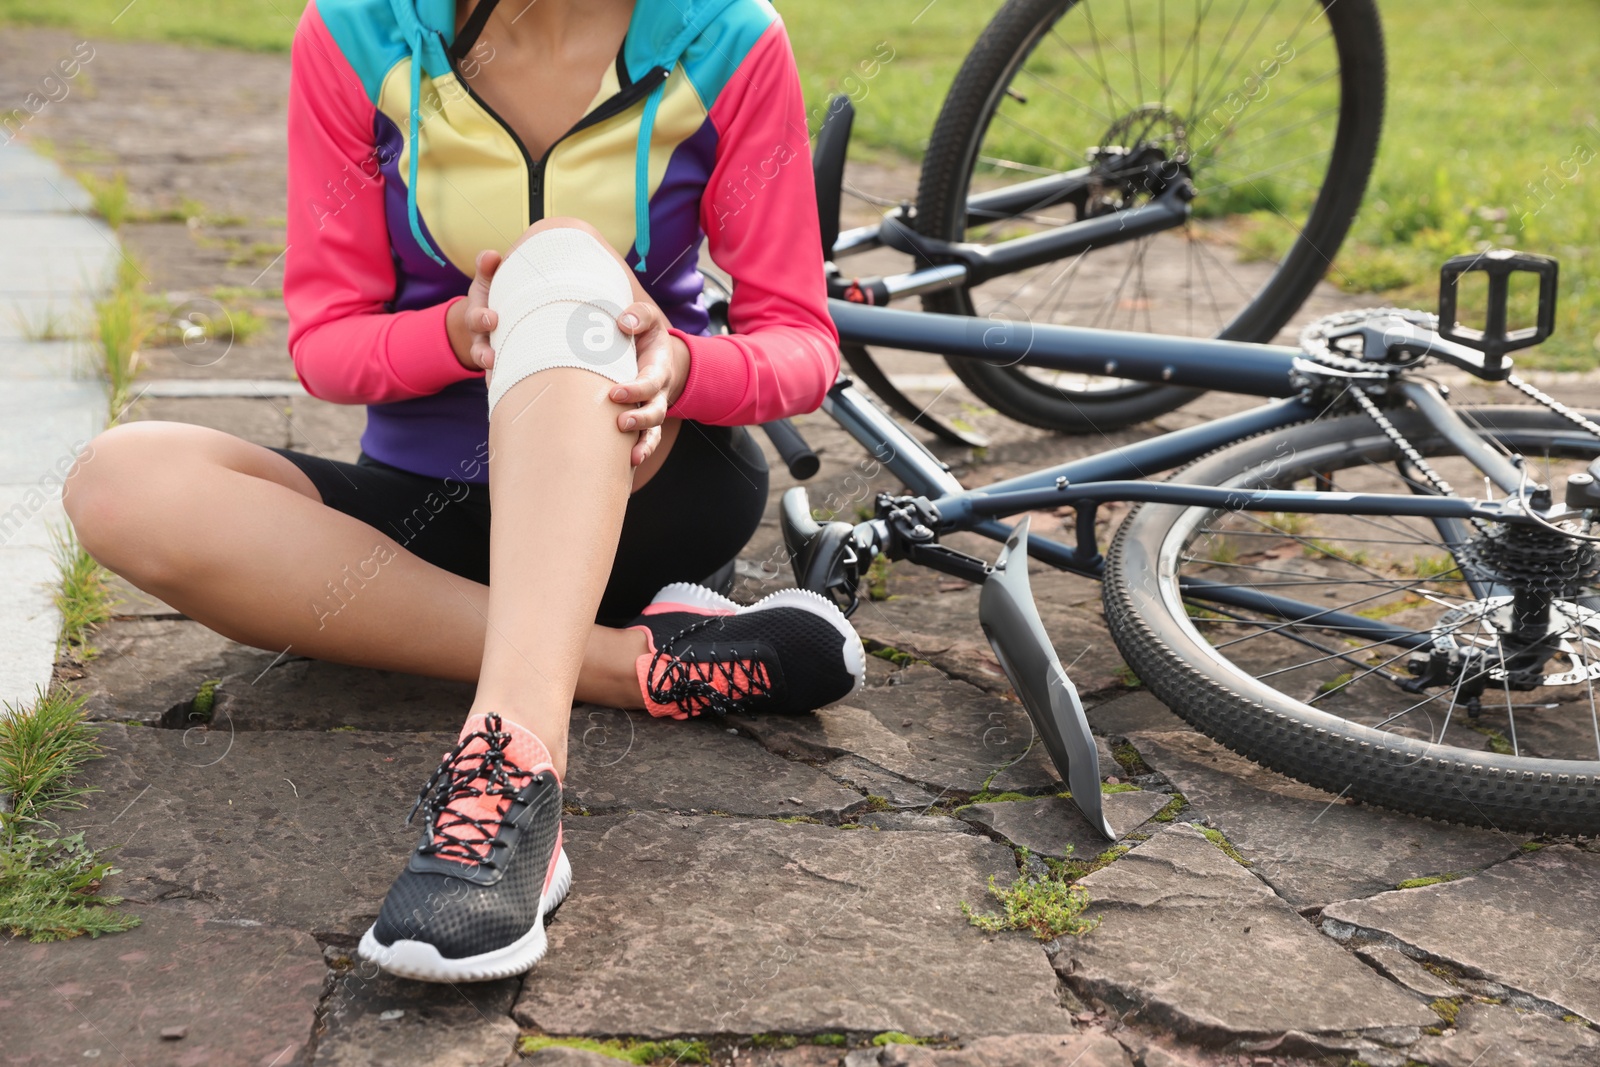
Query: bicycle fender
point(1010, 621)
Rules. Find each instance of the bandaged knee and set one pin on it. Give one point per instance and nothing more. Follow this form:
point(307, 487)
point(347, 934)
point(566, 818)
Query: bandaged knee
point(558, 295)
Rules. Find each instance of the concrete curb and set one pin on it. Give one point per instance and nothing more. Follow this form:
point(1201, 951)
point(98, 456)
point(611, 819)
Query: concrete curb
point(54, 260)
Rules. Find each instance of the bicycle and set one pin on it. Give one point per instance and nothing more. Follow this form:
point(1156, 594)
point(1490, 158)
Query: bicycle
point(1193, 167)
point(1432, 608)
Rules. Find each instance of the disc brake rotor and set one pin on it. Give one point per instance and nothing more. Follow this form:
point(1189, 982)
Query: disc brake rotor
point(1483, 626)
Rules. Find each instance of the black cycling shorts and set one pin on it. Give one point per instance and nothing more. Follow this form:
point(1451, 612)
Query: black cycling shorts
point(687, 522)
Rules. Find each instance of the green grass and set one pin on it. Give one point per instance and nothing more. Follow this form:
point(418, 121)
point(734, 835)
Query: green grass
point(109, 197)
point(122, 324)
point(82, 594)
point(48, 884)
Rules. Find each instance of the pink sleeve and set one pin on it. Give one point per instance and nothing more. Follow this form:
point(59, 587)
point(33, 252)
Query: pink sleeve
point(760, 218)
point(337, 271)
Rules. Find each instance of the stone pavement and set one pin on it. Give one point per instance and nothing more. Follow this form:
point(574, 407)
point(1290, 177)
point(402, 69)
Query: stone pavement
point(787, 892)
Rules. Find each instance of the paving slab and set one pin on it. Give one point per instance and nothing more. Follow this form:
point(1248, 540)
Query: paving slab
point(147, 666)
point(1191, 941)
point(1492, 1035)
point(1053, 826)
point(731, 926)
point(622, 761)
point(1308, 845)
point(1092, 1048)
point(1136, 711)
point(873, 779)
point(370, 1017)
point(946, 633)
point(301, 829)
point(243, 995)
point(1398, 967)
point(930, 729)
point(1528, 924)
point(912, 820)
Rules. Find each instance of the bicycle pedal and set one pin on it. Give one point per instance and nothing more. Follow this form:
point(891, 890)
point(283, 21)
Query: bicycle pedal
point(1010, 621)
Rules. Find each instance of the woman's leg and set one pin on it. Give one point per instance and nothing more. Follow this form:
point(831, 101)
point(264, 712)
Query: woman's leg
point(236, 536)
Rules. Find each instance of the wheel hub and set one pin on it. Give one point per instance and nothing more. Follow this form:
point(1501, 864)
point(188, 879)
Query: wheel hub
point(1483, 633)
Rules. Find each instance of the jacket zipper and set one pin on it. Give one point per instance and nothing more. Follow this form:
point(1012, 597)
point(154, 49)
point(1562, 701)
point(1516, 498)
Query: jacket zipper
point(609, 107)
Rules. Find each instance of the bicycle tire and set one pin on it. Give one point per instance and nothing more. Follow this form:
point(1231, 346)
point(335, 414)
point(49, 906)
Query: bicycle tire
point(1449, 783)
point(953, 150)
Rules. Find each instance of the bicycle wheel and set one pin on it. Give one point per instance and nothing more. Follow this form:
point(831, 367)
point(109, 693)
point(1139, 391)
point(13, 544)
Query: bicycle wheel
point(1273, 107)
point(1359, 706)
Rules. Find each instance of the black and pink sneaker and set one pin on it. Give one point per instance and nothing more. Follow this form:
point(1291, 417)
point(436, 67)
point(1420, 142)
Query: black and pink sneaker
point(471, 902)
point(791, 652)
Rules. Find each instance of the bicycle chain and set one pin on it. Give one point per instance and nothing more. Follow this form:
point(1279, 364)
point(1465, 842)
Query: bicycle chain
point(1406, 447)
point(1540, 396)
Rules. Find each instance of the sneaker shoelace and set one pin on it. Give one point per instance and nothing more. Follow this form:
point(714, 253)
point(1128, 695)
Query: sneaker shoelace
point(455, 833)
point(699, 685)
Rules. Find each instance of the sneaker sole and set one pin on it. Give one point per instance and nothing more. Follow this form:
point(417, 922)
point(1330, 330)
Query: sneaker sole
point(694, 597)
point(421, 961)
point(855, 654)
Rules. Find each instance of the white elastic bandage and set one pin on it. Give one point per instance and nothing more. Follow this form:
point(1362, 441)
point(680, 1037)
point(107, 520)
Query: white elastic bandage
point(558, 296)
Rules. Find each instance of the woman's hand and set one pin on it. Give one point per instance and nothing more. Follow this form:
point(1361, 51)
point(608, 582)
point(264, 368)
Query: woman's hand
point(663, 369)
point(469, 322)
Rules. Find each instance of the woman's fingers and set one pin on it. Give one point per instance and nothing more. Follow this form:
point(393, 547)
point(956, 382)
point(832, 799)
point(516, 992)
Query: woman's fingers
point(651, 413)
point(651, 382)
point(642, 449)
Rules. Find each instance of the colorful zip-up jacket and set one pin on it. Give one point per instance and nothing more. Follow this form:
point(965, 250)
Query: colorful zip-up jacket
point(698, 130)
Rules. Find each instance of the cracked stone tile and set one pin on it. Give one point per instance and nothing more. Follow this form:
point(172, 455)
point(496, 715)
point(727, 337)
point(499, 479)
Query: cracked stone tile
point(148, 665)
point(1494, 1034)
point(1398, 967)
point(946, 633)
point(370, 1017)
point(1309, 847)
point(306, 694)
point(879, 782)
point(1191, 941)
point(1133, 713)
point(931, 730)
point(1053, 826)
point(729, 926)
point(1528, 924)
point(626, 761)
point(911, 820)
point(243, 995)
point(303, 829)
point(1090, 1048)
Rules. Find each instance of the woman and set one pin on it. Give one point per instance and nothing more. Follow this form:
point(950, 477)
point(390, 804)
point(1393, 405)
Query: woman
point(494, 220)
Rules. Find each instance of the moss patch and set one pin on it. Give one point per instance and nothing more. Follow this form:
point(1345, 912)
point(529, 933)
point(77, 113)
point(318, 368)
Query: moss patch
point(1446, 1009)
point(1432, 879)
point(1216, 838)
point(1130, 760)
point(639, 1052)
point(1173, 806)
point(895, 1037)
point(831, 1040)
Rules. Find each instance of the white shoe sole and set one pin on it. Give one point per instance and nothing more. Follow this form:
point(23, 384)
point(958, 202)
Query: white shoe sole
point(421, 961)
point(695, 596)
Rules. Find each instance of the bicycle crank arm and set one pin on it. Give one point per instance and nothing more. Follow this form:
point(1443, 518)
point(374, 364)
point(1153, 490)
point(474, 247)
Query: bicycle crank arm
point(1011, 622)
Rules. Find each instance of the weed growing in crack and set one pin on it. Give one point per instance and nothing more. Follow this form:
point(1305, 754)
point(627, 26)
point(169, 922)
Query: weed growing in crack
point(1048, 907)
